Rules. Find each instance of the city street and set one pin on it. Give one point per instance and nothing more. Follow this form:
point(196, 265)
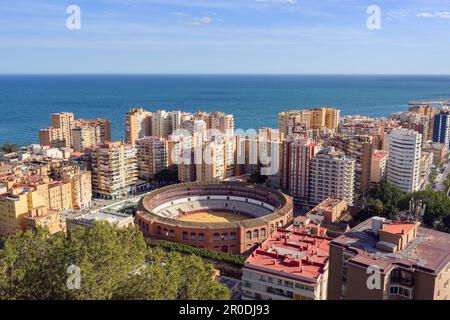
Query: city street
point(439, 185)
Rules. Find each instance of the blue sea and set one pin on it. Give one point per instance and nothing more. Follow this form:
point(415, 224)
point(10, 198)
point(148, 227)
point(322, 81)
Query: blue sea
point(26, 102)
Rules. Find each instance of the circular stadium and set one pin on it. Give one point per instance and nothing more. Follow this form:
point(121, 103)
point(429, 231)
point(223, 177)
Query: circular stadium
point(221, 216)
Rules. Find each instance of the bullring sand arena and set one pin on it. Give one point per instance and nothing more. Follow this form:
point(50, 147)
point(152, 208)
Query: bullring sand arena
point(222, 216)
point(213, 216)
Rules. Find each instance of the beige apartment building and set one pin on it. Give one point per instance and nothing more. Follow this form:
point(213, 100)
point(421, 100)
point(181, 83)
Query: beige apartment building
point(296, 121)
point(429, 112)
point(439, 151)
point(41, 217)
point(152, 156)
point(378, 168)
point(114, 169)
point(390, 260)
point(332, 175)
point(90, 132)
point(52, 138)
point(138, 124)
point(13, 210)
point(60, 196)
point(64, 121)
point(210, 160)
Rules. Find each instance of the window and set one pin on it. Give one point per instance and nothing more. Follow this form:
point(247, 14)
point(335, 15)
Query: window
point(233, 236)
point(201, 236)
point(248, 235)
point(263, 233)
point(166, 233)
point(289, 284)
point(185, 236)
point(216, 237)
point(224, 236)
point(193, 237)
point(158, 231)
point(256, 234)
point(172, 234)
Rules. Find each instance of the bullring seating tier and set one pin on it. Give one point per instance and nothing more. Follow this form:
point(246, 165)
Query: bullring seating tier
point(174, 211)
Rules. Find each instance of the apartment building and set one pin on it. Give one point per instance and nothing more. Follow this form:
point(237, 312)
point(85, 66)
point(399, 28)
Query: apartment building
point(41, 217)
point(429, 112)
point(405, 152)
point(390, 260)
point(13, 210)
point(138, 124)
point(114, 169)
point(378, 167)
point(439, 151)
point(152, 156)
point(426, 162)
point(90, 132)
point(441, 130)
point(290, 265)
point(64, 121)
point(296, 159)
point(210, 160)
point(294, 121)
point(52, 138)
point(332, 175)
point(360, 148)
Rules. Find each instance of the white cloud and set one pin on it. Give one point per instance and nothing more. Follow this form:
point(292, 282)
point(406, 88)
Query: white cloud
point(180, 14)
point(436, 14)
point(205, 20)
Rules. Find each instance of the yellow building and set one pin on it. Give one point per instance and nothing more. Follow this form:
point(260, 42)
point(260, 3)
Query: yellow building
point(295, 121)
point(44, 218)
point(13, 209)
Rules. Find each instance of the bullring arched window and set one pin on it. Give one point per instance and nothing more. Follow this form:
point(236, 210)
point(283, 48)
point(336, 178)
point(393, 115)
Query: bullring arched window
point(201, 236)
point(263, 233)
point(233, 236)
point(216, 237)
point(193, 236)
point(248, 235)
point(158, 230)
point(256, 234)
point(185, 236)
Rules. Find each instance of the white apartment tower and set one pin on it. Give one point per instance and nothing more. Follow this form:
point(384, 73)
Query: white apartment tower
point(404, 159)
point(332, 175)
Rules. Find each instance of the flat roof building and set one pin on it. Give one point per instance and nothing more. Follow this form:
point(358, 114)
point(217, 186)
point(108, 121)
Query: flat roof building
point(289, 265)
point(390, 260)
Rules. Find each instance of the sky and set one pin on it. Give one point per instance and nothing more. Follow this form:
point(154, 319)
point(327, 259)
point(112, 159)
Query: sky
point(225, 37)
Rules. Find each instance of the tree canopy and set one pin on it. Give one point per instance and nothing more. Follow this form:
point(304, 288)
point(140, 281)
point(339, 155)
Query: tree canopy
point(387, 200)
point(8, 148)
point(113, 263)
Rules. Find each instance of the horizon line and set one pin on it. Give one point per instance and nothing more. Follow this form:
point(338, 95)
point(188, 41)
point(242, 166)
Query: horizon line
point(224, 74)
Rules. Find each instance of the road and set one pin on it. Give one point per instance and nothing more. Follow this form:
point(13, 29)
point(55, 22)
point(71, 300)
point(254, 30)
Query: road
point(439, 186)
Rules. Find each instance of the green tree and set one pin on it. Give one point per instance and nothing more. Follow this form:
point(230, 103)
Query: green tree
point(437, 207)
point(114, 264)
point(9, 148)
point(391, 196)
point(166, 176)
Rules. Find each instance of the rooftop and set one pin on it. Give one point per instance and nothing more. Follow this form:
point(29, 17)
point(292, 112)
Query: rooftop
point(294, 253)
point(398, 228)
point(429, 251)
point(378, 155)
